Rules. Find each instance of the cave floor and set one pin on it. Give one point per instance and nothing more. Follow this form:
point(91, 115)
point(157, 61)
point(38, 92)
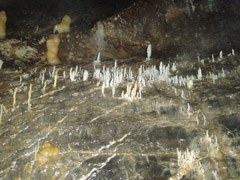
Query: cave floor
point(101, 136)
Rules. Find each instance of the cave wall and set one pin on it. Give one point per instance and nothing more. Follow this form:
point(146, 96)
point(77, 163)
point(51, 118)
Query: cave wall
point(171, 27)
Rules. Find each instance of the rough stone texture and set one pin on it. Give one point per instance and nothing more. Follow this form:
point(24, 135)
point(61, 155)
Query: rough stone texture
point(171, 28)
point(104, 137)
point(111, 138)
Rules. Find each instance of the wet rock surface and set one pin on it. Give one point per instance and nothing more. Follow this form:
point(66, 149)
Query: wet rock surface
point(175, 116)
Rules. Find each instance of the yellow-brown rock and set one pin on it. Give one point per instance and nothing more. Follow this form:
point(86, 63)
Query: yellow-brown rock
point(3, 20)
point(64, 26)
point(174, 12)
point(46, 152)
point(52, 47)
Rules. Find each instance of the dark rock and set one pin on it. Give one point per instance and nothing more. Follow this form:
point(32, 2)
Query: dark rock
point(230, 123)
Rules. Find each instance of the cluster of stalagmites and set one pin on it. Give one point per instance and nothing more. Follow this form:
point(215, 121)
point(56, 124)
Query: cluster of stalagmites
point(52, 42)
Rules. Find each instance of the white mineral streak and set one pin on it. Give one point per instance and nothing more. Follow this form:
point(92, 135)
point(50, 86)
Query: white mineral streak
point(103, 164)
point(97, 169)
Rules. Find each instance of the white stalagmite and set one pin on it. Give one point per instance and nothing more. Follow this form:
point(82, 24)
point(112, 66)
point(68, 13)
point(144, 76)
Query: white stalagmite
point(199, 75)
point(233, 53)
point(72, 75)
point(20, 79)
point(1, 63)
point(115, 65)
point(53, 71)
point(129, 87)
point(85, 75)
point(14, 97)
point(204, 119)
point(190, 84)
point(103, 88)
point(44, 86)
point(189, 107)
point(174, 67)
point(97, 61)
point(149, 52)
point(29, 97)
point(43, 77)
point(197, 120)
point(64, 74)
point(182, 95)
point(55, 79)
point(1, 113)
point(221, 54)
point(98, 57)
point(223, 73)
point(76, 70)
point(215, 175)
point(213, 60)
point(113, 91)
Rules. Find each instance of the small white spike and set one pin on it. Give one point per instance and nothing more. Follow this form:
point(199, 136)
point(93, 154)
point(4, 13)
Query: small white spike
point(1, 63)
point(85, 75)
point(149, 52)
point(199, 75)
point(221, 54)
point(97, 61)
point(233, 52)
point(213, 59)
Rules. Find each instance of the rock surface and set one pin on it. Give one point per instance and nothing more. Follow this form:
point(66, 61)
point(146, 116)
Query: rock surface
point(175, 116)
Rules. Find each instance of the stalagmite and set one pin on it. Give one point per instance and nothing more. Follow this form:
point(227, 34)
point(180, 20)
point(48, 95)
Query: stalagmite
point(52, 46)
point(3, 20)
point(64, 26)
